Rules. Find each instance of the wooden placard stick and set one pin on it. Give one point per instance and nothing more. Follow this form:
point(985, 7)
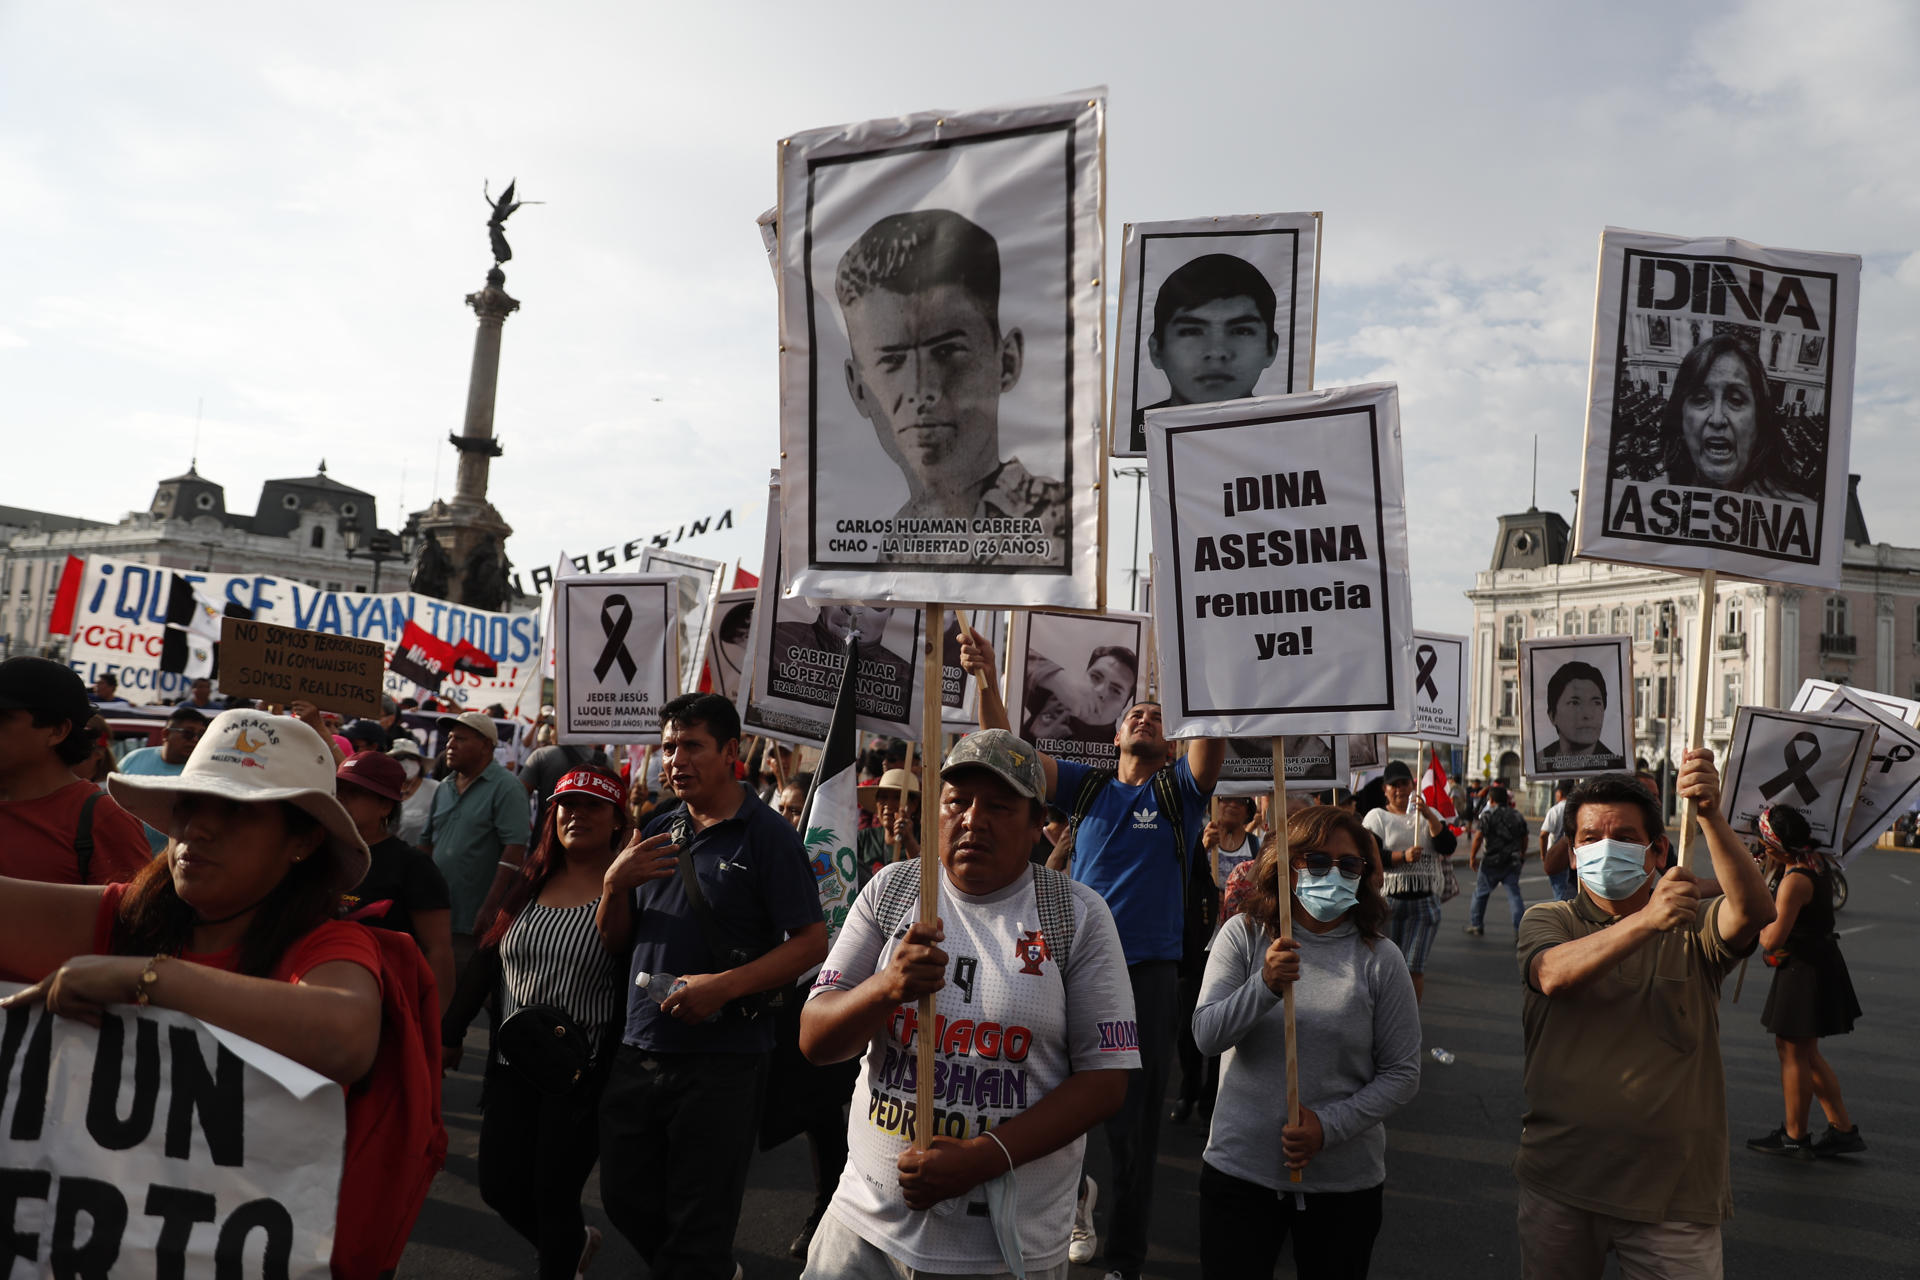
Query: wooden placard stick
point(1284, 858)
point(1213, 816)
point(930, 713)
point(779, 767)
point(1697, 704)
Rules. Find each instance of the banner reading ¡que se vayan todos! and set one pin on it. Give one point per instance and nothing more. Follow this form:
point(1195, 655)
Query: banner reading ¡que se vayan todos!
point(120, 621)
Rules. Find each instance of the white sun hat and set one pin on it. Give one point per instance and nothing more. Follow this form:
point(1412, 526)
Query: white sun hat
point(251, 758)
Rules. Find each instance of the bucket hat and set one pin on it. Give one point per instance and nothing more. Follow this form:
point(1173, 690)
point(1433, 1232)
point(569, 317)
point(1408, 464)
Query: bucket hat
point(250, 757)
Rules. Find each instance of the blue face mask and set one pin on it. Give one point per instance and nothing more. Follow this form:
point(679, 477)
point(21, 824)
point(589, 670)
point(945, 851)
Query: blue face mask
point(1326, 897)
point(1612, 869)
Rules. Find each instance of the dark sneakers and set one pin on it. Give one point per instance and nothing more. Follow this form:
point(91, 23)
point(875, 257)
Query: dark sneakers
point(1839, 1142)
point(1778, 1143)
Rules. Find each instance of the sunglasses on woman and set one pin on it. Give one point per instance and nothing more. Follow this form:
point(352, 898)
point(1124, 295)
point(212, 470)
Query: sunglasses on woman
point(1318, 864)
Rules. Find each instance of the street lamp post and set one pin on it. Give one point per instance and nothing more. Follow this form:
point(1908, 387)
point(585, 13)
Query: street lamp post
point(1139, 474)
point(381, 547)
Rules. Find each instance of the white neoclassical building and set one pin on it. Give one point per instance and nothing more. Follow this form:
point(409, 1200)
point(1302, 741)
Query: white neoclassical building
point(297, 530)
point(1766, 637)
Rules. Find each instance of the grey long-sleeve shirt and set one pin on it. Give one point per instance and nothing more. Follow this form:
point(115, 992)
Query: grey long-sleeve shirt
point(1359, 1032)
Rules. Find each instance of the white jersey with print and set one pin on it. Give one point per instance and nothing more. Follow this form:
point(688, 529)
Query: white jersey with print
point(1009, 1030)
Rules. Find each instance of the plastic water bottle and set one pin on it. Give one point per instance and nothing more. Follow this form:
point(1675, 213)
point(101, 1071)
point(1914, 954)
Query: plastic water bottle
point(659, 986)
point(1443, 1056)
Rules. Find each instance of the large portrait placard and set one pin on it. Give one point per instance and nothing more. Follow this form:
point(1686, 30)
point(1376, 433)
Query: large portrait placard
point(1576, 706)
point(1281, 601)
point(700, 582)
point(1439, 687)
point(1719, 407)
point(943, 355)
point(730, 641)
point(1071, 678)
point(616, 656)
point(1212, 309)
point(1315, 762)
point(1815, 763)
point(799, 652)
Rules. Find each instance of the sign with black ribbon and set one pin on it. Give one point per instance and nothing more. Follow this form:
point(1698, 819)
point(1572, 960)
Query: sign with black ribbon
point(616, 656)
point(1815, 763)
point(1439, 687)
point(1893, 769)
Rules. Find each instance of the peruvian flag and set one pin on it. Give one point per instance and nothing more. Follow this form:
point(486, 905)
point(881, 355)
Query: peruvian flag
point(830, 823)
point(1433, 789)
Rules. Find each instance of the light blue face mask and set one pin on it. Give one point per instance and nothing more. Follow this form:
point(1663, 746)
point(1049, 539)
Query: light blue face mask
point(1326, 897)
point(1612, 869)
point(1003, 1209)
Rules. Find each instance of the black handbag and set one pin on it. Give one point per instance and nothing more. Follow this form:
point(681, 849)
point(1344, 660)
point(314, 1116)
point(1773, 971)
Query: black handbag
point(546, 1046)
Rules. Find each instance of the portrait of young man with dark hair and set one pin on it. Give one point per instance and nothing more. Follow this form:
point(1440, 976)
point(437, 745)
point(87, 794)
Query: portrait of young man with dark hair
point(920, 293)
point(1577, 709)
point(1213, 333)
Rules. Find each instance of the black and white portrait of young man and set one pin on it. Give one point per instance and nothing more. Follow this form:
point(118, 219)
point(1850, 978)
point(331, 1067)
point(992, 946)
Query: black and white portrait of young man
point(1213, 309)
point(941, 356)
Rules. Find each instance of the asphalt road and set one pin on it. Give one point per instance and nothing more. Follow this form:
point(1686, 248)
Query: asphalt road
point(1450, 1190)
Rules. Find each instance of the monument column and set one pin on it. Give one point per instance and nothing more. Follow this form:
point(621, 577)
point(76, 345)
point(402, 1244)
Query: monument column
point(475, 442)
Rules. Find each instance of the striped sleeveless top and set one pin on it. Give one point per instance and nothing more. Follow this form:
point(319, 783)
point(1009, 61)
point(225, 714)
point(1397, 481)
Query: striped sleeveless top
point(553, 955)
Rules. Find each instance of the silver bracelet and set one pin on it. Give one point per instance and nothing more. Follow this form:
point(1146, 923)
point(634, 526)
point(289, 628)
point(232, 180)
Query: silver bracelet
point(1003, 1149)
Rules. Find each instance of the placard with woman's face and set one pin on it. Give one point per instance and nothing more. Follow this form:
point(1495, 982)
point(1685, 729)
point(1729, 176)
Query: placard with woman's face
point(1577, 705)
point(1720, 405)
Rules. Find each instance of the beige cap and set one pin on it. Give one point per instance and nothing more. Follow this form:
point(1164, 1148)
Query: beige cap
point(476, 721)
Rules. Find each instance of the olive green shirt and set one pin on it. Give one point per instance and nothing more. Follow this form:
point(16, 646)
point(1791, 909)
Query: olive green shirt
point(1626, 1097)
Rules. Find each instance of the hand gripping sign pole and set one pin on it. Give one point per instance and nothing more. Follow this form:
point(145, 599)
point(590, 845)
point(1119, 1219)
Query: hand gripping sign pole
point(930, 713)
point(1284, 865)
point(1697, 704)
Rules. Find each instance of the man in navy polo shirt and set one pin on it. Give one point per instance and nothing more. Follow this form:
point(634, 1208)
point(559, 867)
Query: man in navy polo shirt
point(1127, 848)
point(681, 1109)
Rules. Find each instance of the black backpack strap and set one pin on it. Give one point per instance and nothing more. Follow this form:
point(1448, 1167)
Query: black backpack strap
point(1166, 788)
point(898, 894)
point(1054, 892)
point(83, 836)
point(1090, 788)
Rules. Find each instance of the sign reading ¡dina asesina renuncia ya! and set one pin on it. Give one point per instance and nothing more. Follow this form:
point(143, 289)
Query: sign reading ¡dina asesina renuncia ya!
point(1279, 528)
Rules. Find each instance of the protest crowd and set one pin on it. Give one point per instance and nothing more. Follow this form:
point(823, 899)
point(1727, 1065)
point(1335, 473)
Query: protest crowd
point(1140, 880)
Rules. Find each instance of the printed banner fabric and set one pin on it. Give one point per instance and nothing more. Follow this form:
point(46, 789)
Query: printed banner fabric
point(1281, 600)
point(1719, 407)
point(1315, 762)
point(184, 1151)
point(121, 618)
point(942, 356)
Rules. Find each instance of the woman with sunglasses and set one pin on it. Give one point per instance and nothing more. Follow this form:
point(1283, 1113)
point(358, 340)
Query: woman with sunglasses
point(540, 953)
point(1358, 1028)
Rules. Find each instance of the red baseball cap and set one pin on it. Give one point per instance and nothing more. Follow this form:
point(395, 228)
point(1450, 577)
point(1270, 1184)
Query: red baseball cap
point(374, 771)
point(594, 783)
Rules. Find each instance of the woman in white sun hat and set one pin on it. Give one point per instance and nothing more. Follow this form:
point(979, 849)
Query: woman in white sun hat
point(236, 921)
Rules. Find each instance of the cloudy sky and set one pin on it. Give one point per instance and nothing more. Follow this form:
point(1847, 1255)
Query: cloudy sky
point(275, 211)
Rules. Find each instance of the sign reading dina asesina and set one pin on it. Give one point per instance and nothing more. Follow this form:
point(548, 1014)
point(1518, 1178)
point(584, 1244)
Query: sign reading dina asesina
point(1719, 407)
point(1279, 529)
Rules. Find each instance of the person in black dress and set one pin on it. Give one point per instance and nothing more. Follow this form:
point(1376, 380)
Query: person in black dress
point(1812, 994)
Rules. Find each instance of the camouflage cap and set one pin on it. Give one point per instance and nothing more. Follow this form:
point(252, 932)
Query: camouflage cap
point(1005, 755)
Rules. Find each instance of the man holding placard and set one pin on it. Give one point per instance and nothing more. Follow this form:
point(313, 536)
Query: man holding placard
point(1624, 1142)
point(1132, 829)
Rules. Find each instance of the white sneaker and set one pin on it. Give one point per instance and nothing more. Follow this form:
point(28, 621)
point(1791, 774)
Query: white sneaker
point(1115, 1274)
point(1085, 1243)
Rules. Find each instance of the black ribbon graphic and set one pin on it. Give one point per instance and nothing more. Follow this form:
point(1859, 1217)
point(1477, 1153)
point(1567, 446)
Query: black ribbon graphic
point(615, 630)
point(1425, 659)
point(1898, 753)
point(1795, 774)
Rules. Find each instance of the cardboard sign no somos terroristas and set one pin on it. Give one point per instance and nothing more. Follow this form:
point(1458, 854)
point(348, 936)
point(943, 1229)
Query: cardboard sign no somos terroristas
point(281, 664)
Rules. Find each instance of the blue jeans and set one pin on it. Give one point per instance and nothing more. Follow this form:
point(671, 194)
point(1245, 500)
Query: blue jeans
point(1562, 882)
point(1477, 914)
